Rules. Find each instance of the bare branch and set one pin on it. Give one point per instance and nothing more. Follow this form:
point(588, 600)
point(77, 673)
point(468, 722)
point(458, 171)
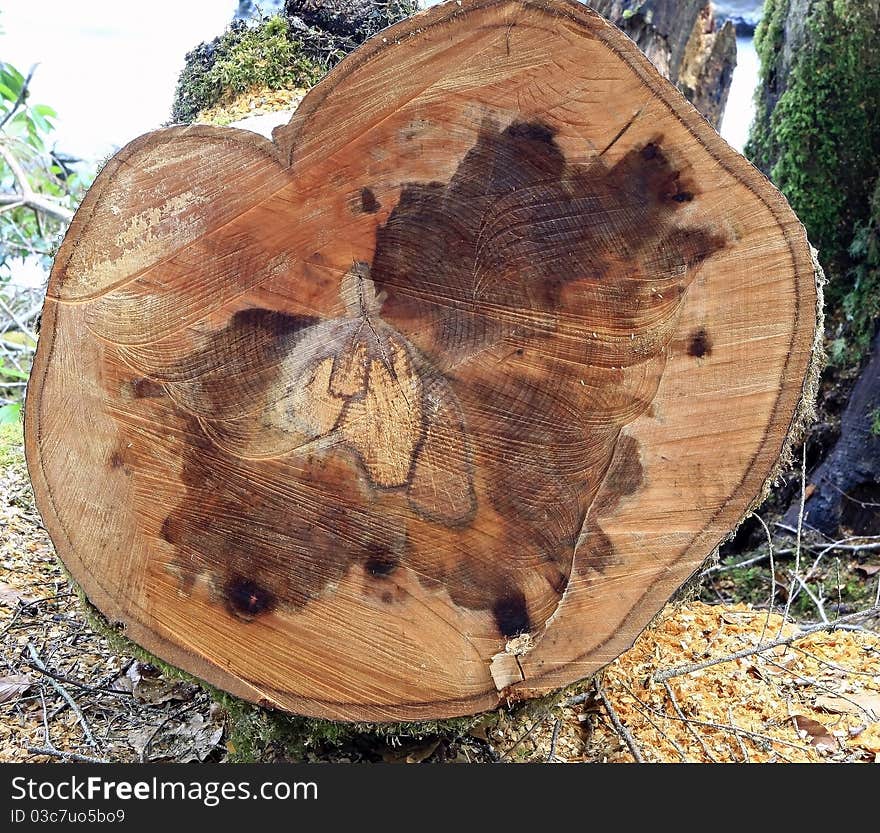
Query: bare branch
point(65, 756)
point(19, 323)
point(672, 699)
point(621, 730)
point(27, 196)
point(40, 666)
point(800, 532)
point(680, 670)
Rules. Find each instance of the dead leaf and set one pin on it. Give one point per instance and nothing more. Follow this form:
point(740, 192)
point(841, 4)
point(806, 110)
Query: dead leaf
point(10, 597)
point(139, 738)
point(816, 732)
point(147, 685)
point(869, 739)
point(851, 704)
point(199, 737)
point(868, 569)
point(411, 754)
point(13, 686)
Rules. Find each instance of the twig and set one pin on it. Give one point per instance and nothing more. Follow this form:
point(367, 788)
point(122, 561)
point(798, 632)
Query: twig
point(681, 670)
point(27, 195)
point(832, 665)
point(577, 699)
point(553, 738)
point(144, 758)
point(19, 323)
point(100, 686)
point(63, 692)
point(725, 728)
point(660, 731)
point(45, 719)
point(814, 683)
point(840, 545)
point(67, 756)
point(621, 730)
point(772, 578)
point(742, 746)
point(84, 687)
point(537, 722)
point(723, 568)
point(813, 598)
point(699, 739)
point(800, 529)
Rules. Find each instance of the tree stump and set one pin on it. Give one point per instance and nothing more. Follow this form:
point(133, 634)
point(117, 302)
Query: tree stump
point(436, 399)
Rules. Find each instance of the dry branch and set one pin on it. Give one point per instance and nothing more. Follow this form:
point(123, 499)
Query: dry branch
point(841, 622)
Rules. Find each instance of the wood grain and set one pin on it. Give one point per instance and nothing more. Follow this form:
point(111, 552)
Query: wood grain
point(433, 401)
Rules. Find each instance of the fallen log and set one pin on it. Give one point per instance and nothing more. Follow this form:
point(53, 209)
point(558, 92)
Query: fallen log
point(433, 401)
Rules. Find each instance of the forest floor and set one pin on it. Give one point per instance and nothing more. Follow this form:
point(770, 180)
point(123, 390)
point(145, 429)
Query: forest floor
point(729, 681)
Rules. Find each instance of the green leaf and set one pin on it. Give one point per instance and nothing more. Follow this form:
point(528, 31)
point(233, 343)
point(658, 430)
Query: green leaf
point(10, 413)
point(15, 75)
point(45, 110)
point(12, 78)
point(12, 372)
point(40, 121)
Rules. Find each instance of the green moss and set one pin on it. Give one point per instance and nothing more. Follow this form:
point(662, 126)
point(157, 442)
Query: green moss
point(820, 142)
point(243, 57)
point(11, 452)
point(761, 146)
point(861, 303)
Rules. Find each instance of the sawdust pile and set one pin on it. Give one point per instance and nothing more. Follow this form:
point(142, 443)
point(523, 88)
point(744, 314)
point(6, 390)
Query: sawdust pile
point(816, 700)
point(255, 102)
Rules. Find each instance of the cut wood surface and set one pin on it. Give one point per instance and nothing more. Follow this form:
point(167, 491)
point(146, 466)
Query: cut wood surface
point(432, 402)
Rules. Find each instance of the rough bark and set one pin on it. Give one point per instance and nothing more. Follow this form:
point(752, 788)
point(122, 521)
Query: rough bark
point(844, 491)
point(433, 402)
point(683, 41)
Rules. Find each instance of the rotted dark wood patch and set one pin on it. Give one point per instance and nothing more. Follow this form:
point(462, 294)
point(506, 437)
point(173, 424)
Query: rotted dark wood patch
point(383, 433)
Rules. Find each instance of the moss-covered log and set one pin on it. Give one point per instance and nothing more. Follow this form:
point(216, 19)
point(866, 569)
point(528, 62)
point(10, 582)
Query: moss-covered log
point(290, 50)
point(817, 128)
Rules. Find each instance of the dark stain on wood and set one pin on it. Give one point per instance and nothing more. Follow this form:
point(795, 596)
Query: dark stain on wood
point(624, 478)
point(511, 614)
point(520, 250)
point(280, 522)
point(369, 203)
point(381, 563)
point(146, 388)
point(246, 599)
point(699, 344)
point(517, 227)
